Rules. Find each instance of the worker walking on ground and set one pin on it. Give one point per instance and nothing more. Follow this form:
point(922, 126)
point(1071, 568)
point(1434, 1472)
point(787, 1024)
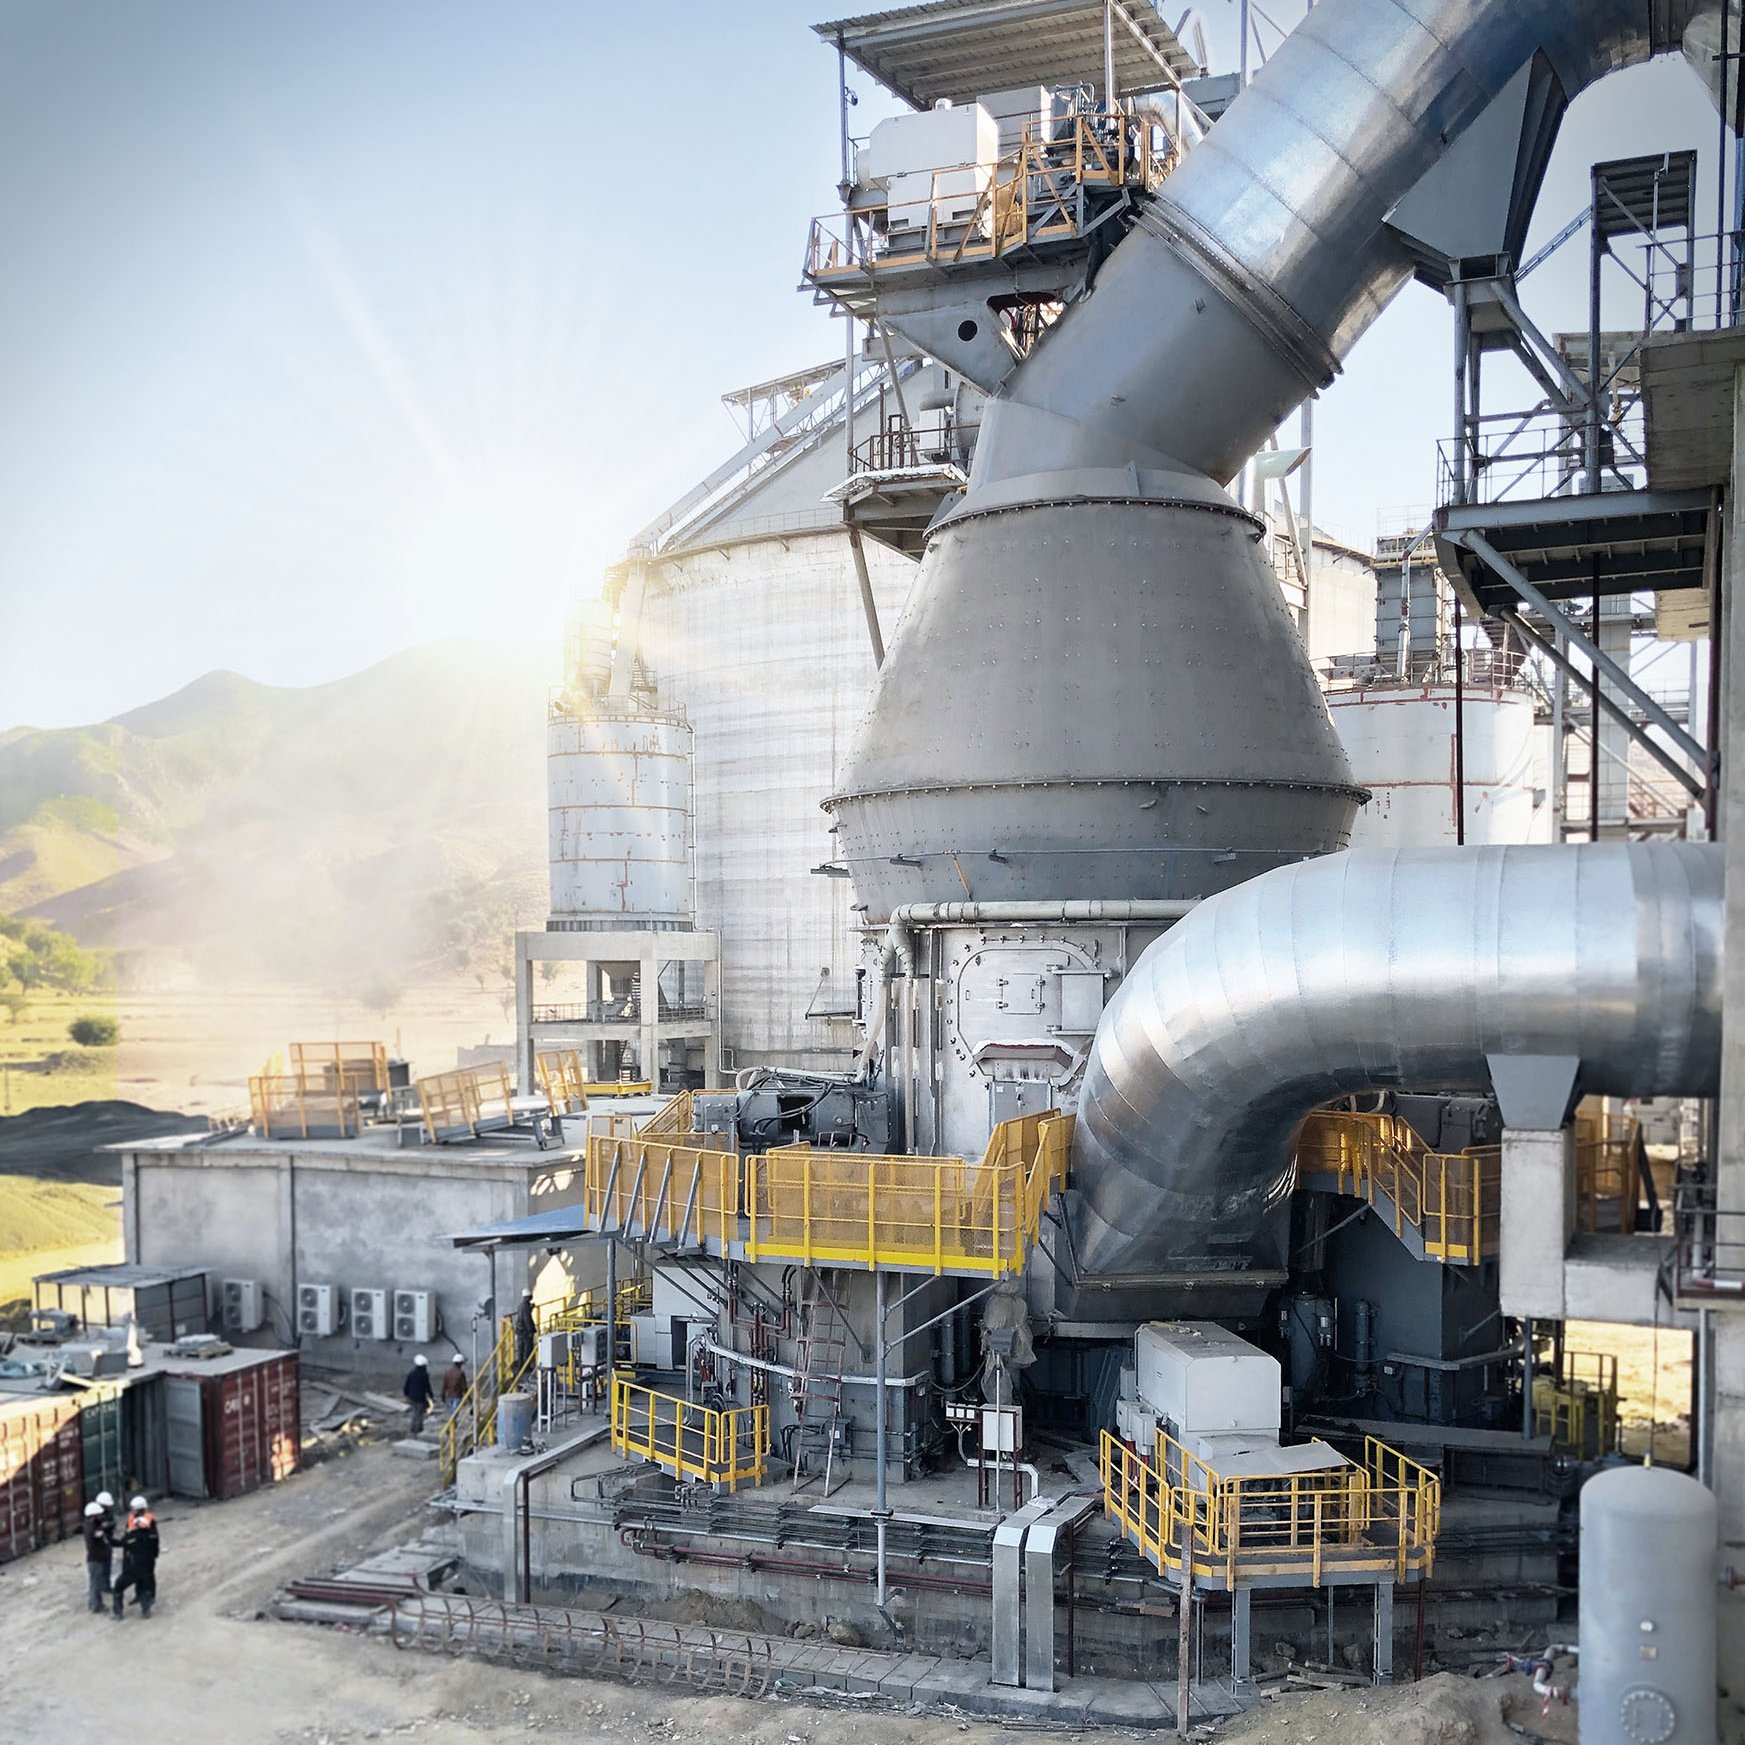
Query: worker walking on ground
point(454, 1384)
point(139, 1558)
point(417, 1390)
point(526, 1333)
point(98, 1546)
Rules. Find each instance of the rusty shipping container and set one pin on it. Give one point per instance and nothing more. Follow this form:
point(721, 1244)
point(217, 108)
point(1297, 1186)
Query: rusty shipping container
point(42, 1494)
point(233, 1423)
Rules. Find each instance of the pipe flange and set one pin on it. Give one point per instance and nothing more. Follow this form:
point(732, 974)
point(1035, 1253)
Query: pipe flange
point(1647, 1715)
point(1250, 295)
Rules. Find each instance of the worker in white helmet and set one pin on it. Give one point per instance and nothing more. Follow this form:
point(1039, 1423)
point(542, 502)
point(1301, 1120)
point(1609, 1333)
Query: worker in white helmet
point(526, 1332)
point(454, 1383)
point(98, 1549)
point(139, 1558)
point(416, 1388)
point(111, 1531)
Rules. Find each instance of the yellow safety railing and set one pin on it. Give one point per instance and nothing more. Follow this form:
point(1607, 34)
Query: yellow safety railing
point(840, 1208)
point(829, 1207)
point(474, 1422)
point(1453, 1200)
point(726, 1448)
point(563, 1080)
point(456, 1104)
point(1029, 196)
point(359, 1066)
point(618, 1088)
point(659, 1186)
point(288, 1105)
point(1580, 1412)
point(1379, 1518)
point(1607, 1187)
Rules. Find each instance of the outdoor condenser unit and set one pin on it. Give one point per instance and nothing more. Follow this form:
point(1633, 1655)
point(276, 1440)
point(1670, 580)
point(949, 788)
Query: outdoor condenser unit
point(369, 1314)
point(240, 1302)
point(415, 1316)
point(315, 1315)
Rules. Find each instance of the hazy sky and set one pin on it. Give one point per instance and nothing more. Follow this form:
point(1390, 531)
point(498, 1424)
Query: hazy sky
point(329, 328)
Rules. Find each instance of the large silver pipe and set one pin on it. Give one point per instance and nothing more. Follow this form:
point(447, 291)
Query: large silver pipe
point(1095, 689)
point(1373, 969)
point(1267, 255)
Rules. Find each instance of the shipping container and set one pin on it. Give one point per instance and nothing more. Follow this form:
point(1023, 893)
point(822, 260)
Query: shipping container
point(233, 1423)
point(42, 1495)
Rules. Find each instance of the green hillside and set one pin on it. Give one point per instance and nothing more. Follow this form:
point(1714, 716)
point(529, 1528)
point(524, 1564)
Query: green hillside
point(386, 828)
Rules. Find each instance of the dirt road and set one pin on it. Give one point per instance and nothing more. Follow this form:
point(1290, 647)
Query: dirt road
point(210, 1668)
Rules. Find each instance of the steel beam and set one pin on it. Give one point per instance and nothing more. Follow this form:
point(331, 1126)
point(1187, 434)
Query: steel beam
point(1692, 784)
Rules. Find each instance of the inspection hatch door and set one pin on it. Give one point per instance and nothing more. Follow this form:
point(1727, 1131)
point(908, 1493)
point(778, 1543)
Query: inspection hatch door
point(184, 1416)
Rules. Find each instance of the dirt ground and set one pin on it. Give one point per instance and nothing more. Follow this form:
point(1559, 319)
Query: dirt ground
point(210, 1668)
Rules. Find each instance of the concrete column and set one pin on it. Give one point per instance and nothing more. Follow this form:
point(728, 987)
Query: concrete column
point(1538, 1219)
point(525, 1078)
point(1725, 1406)
point(650, 990)
point(712, 1047)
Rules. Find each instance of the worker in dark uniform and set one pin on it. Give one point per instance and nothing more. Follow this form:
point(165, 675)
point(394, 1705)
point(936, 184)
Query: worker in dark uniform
point(417, 1390)
point(139, 1558)
point(111, 1532)
point(98, 1546)
point(526, 1333)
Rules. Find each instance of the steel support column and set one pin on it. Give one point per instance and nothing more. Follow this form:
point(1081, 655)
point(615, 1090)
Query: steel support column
point(1578, 639)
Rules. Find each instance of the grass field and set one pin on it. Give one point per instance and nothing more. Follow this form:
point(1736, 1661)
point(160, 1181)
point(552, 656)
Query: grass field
point(46, 1226)
point(40, 1065)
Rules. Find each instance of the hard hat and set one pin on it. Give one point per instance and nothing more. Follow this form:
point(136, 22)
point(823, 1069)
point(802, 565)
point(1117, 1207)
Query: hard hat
point(458, 1358)
point(422, 1361)
point(93, 1508)
point(137, 1503)
point(104, 1500)
point(527, 1296)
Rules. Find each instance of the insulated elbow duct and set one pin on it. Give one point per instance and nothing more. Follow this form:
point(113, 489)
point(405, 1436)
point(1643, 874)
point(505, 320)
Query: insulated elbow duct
point(1097, 690)
point(1375, 969)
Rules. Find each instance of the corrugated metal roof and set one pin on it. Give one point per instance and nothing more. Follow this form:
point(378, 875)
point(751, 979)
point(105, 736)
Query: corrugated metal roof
point(961, 49)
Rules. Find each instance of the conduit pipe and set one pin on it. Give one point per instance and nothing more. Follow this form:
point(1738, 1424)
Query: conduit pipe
point(1375, 969)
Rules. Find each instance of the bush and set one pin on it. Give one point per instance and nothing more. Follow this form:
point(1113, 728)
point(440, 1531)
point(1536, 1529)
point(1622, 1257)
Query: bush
point(94, 1032)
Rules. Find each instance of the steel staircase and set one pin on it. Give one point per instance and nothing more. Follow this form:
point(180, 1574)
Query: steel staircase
point(820, 1360)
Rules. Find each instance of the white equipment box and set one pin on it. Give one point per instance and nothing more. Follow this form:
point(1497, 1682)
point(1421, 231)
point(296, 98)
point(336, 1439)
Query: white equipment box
point(1203, 1379)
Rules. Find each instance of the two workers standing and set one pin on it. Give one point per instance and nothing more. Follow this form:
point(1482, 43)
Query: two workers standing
point(138, 1541)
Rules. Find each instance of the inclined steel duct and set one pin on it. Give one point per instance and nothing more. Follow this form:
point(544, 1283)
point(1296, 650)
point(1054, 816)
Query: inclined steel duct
point(1097, 690)
point(1379, 968)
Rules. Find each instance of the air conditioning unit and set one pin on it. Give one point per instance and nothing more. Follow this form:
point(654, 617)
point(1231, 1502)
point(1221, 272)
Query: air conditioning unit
point(369, 1315)
point(315, 1310)
point(415, 1317)
point(590, 1348)
point(240, 1302)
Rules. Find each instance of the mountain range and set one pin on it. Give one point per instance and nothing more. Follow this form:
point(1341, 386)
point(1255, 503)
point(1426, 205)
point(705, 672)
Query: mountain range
point(364, 835)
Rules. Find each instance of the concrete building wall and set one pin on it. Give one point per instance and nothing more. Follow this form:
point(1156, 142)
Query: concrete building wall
point(763, 644)
point(363, 1220)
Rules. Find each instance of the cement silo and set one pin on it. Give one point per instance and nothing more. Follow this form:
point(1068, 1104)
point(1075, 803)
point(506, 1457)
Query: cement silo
point(622, 914)
point(618, 780)
point(1400, 738)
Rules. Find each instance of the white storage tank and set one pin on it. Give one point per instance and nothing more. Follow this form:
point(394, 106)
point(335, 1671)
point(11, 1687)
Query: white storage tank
point(619, 791)
point(1649, 1539)
point(1400, 740)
